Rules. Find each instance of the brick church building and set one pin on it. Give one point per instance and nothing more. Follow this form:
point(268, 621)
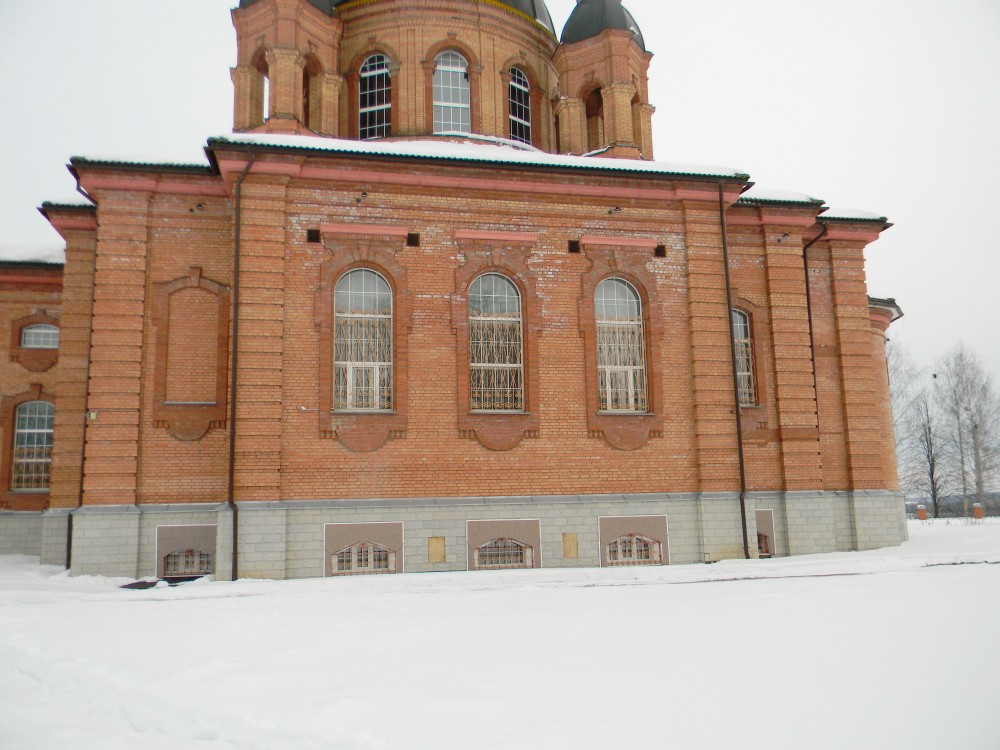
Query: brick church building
point(433, 305)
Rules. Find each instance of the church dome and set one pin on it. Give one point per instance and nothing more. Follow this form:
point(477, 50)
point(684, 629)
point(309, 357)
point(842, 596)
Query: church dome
point(531, 8)
point(590, 17)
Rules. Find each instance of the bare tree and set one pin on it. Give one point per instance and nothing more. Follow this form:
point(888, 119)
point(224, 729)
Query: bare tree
point(966, 394)
point(927, 453)
point(904, 376)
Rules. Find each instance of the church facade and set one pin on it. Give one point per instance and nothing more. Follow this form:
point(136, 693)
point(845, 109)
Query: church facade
point(433, 305)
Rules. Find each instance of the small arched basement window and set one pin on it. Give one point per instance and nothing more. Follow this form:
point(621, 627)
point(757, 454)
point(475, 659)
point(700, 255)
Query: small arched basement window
point(187, 563)
point(363, 558)
point(503, 553)
point(634, 549)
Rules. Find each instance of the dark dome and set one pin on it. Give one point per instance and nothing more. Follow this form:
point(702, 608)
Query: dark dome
point(531, 8)
point(590, 17)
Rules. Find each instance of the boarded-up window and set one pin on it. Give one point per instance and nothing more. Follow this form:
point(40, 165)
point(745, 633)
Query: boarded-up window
point(192, 346)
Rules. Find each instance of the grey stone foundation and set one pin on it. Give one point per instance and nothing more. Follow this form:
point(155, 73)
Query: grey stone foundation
point(286, 539)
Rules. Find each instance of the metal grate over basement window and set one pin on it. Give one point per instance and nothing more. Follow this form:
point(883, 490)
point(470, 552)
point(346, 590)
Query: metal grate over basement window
point(498, 554)
point(187, 562)
point(634, 549)
point(363, 558)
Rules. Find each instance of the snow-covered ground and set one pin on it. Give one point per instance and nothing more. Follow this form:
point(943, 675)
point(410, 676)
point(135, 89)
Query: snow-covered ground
point(895, 648)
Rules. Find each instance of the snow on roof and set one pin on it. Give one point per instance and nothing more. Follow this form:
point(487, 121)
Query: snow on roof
point(765, 195)
point(475, 148)
point(851, 214)
point(50, 253)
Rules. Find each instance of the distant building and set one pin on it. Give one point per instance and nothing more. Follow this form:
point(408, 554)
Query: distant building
point(434, 306)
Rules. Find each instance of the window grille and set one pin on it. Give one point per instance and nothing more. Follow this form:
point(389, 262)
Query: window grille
point(362, 342)
point(745, 380)
point(503, 553)
point(621, 350)
point(634, 549)
point(452, 110)
point(187, 562)
point(31, 462)
point(374, 98)
point(520, 106)
point(363, 558)
point(40, 336)
point(496, 364)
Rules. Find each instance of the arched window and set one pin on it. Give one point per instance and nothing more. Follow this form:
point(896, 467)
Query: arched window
point(362, 356)
point(520, 106)
point(621, 350)
point(374, 98)
point(31, 462)
point(594, 105)
point(496, 360)
point(745, 379)
point(183, 563)
point(40, 336)
point(452, 100)
point(503, 553)
point(364, 557)
point(634, 549)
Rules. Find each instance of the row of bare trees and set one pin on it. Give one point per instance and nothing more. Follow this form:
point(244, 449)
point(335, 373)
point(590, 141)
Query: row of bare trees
point(947, 428)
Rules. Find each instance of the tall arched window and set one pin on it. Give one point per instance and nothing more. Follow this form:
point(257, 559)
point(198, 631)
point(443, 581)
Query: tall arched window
point(452, 99)
point(496, 360)
point(40, 336)
point(621, 350)
point(374, 98)
point(745, 379)
point(31, 462)
point(362, 359)
point(520, 106)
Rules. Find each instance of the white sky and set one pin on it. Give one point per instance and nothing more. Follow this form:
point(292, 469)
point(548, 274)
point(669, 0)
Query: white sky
point(885, 105)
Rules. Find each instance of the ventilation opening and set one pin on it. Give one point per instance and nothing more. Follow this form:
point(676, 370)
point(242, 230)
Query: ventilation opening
point(413, 239)
point(574, 246)
point(312, 235)
point(660, 251)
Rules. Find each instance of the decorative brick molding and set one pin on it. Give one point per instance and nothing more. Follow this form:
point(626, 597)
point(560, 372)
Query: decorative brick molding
point(36, 360)
point(190, 420)
point(622, 258)
point(371, 247)
point(505, 253)
point(22, 499)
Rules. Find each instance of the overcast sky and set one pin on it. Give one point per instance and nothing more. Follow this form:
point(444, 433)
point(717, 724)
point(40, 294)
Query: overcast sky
point(890, 106)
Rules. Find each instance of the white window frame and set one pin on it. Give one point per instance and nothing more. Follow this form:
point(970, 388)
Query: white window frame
point(503, 554)
point(622, 381)
point(40, 336)
point(492, 357)
point(363, 558)
point(519, 106)
point(374, 82)
point(365, 382)
point(182, 563)
point(746, 378)
point(31, 447)
point(633, 549)
point(452, 94)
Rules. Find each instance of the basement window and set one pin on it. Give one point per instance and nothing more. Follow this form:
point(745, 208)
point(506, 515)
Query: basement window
point(634, 549)
point(499, 554)
point(187, 563)
point(363, 558)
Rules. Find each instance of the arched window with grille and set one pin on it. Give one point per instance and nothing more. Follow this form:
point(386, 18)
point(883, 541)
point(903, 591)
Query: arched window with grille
point(496, 352)
point(184, 563)
point(362, 357)
point(31, 459)
point(519, 99)
point(621, 350)
point(363, 557)
point(743, 344)
point(40, 336)
point(452, 97)
point(502, 554)
point(634, 549)
point(374, 98)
